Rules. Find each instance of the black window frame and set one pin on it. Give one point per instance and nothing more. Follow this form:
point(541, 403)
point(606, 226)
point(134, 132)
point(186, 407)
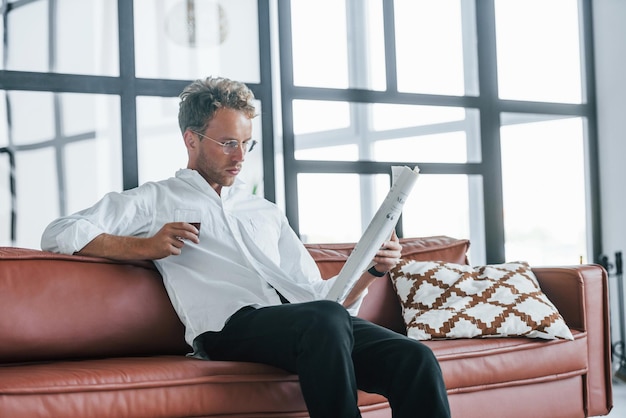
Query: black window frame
point(489, 105)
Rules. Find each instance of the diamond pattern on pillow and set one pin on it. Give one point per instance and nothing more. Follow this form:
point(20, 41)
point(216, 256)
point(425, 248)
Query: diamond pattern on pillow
point(443, 300)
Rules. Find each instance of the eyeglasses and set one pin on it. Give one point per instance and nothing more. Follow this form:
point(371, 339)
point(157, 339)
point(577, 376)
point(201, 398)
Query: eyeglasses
point(230, 146)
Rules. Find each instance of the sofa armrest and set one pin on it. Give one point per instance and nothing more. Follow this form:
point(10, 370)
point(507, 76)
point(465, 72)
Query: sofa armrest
point(580, 293)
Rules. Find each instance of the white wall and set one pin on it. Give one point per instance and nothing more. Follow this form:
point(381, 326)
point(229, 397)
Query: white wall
point(610, 54)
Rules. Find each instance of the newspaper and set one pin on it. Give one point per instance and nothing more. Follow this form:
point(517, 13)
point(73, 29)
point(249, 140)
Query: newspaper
point(377, 232)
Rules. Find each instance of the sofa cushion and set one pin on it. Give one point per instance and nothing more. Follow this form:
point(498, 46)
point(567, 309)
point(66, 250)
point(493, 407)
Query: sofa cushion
point(156, 387)
point(167, 386)
point(448, 300)
point(475, 364)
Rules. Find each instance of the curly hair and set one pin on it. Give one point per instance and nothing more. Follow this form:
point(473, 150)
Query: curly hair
point(202, 98)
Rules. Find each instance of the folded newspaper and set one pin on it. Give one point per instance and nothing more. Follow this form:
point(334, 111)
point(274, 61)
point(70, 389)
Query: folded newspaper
point(377, 232)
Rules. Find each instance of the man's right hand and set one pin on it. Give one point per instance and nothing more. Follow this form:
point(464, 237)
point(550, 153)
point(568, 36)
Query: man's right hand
point(168, 241)
point(171, 239)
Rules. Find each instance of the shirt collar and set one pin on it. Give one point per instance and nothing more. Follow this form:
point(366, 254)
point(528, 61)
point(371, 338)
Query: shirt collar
point(194, 178)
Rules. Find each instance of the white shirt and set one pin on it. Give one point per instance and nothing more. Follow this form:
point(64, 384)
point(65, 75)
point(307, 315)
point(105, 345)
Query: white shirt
point(247, 248)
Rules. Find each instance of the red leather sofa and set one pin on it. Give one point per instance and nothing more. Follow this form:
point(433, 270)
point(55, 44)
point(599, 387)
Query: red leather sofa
point(87, 337)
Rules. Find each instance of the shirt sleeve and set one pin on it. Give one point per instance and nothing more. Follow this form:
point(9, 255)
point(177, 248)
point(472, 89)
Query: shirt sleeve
point(116, 213)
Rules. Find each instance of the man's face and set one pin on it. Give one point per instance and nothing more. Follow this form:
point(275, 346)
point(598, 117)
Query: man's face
point(208, 158)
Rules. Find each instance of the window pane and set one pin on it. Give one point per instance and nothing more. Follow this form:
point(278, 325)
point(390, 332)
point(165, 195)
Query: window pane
point(76, 150)
point(426, 133)
point(7, 208)
point(342, 131)
point(314, 116)
point(329, 51)
point(160, 147)
point(82, 35)
point(7, 167)
point(181, 39)
point(23, 105)
point(4, 122)
point(354, 201)
point(436, 47)
point(162, 152)
point(543, 174)
point(440, 205)
point(87, 37)
point(36, 194)
point(22, 35)
point(542, 63)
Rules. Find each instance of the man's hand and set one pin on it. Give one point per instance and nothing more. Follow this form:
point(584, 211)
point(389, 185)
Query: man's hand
point(386, 258)
point(389, 254)
point(171, 238)
point(168, 241)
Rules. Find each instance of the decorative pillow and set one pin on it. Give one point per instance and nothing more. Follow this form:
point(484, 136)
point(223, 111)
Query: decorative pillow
point(445, 300)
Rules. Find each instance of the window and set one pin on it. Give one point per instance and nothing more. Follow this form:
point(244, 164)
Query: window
point(500, 124)
point(92, 107)
point(495, 116)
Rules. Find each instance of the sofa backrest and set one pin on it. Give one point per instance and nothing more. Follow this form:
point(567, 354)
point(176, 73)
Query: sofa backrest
point(56, 306)
point(381, 305)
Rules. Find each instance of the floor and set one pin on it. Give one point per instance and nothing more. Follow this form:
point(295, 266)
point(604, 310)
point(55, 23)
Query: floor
point(619, 399)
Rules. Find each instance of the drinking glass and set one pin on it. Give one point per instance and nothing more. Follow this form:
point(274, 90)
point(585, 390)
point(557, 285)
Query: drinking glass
point(191, 216)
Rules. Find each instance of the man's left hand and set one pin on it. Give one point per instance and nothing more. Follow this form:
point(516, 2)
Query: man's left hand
point(389, 254)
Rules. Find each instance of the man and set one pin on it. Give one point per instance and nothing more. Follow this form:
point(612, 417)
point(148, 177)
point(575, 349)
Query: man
point(242, 282)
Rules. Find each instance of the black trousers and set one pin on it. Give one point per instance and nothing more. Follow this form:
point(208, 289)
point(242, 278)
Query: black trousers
point(333, 354)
